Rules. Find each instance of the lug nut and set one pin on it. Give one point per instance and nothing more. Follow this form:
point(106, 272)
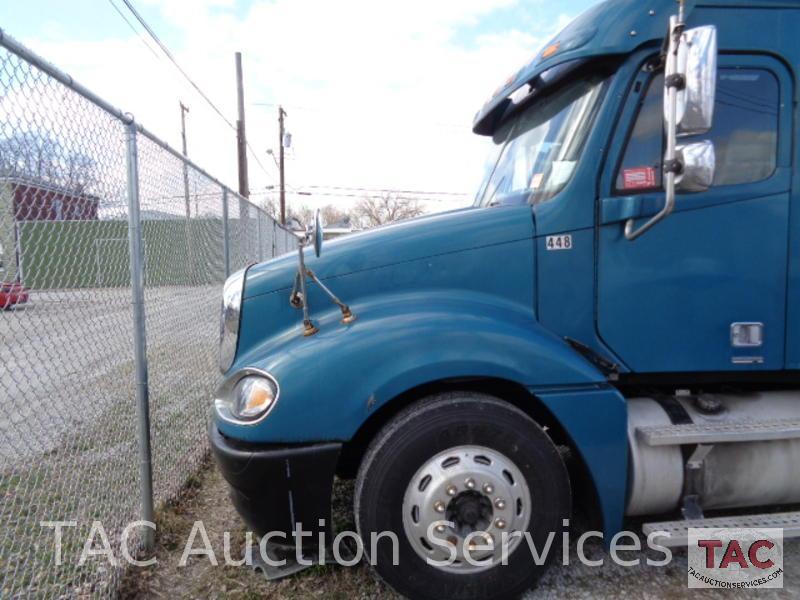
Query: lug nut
point(487, 488)
point(470, 483)
point(452, 490)
point(438, 506)
point(500, 523)
point(487, 541)
point(440, 528)
point(500, 504)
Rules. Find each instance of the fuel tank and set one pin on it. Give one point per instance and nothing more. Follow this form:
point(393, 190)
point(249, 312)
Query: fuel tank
point(736, 474)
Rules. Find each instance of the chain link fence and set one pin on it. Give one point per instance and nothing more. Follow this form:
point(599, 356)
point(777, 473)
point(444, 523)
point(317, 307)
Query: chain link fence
point(92, 206)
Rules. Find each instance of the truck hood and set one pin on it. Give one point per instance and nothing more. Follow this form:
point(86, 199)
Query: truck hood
point(406, 241)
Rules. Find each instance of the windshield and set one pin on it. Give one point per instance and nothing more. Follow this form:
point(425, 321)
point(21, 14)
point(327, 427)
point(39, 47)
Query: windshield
point(537, 151)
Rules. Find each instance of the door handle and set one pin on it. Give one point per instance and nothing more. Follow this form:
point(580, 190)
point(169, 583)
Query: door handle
point(623, 208)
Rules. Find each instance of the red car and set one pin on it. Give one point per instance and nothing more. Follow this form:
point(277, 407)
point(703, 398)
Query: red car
point(12, 294)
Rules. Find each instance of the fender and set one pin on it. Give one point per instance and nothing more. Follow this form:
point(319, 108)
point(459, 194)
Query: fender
point(330, 383)
point(596, 420)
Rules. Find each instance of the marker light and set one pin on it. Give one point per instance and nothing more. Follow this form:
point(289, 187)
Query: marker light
point(247, 397)
point(253, 396)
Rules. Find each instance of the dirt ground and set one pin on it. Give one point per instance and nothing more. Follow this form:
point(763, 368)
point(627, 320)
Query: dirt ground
point(206, 499)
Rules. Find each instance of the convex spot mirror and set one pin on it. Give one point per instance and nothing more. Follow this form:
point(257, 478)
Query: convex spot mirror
point(698, 162)
point(697, 61)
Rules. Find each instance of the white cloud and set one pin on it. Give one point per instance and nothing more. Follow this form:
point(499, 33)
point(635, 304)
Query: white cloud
point(379, 93)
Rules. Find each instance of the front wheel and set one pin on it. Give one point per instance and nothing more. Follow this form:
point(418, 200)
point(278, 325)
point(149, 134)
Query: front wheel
point(461, 479)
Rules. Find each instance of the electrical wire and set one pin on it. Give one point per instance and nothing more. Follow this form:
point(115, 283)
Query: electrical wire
point(175, 62)
point(259, 163)
point(136, 31)
point(390, 190)
point(465, 127)
point(370, 195)
point(172, 59)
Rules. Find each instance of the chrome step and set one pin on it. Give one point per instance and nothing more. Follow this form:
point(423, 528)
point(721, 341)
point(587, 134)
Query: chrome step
point(719, 433)
point(677, 532)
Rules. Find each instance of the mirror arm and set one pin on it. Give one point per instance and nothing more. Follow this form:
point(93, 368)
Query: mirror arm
point(299, 296)
point(669, 204)
point(294, 298)
point(347, 314)
point(308, 325)
point(671, 165)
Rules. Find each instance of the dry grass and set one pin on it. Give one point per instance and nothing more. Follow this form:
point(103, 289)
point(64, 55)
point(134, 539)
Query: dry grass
point(206, 499)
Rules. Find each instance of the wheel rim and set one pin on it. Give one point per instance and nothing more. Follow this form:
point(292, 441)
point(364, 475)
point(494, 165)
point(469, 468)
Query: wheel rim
point(466, 497)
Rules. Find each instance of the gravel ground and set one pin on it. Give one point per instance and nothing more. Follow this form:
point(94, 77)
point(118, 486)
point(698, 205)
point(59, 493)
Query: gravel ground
point(207, 500)
point(68, 428)
point(64, 349)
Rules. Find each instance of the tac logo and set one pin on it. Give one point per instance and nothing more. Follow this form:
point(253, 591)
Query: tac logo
point(735, 558)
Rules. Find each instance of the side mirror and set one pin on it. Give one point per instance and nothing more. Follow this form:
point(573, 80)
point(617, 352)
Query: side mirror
point(698, 162)
point(318, 233)
point(690, 81)
point(311, 236)
point(697, 63)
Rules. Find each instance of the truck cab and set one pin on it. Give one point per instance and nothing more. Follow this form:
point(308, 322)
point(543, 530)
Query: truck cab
point(613, 323)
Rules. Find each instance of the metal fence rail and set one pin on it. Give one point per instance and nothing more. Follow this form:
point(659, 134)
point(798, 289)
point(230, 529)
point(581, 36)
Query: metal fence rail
point(122, 245)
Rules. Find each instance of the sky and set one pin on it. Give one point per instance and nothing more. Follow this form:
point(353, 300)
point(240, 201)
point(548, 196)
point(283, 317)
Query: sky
point(379, 94)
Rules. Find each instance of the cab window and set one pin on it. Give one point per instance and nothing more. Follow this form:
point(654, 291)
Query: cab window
point(745, 132)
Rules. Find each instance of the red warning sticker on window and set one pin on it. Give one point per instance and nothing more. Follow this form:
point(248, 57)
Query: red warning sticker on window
point(638, 178)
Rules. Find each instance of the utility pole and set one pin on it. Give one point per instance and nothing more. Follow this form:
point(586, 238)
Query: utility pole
point(189, 251)
point(241, 140)
point(281, 115)
point(184, 110)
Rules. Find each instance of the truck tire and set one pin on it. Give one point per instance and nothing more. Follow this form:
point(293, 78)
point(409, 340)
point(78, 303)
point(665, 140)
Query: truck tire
point(455, 468)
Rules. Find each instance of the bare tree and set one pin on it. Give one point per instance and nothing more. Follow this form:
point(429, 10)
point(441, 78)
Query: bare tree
point(269, 206)
point(43, 158)
point(368, 212)
point(373, 211)
point(333, 215)
point(304, 214)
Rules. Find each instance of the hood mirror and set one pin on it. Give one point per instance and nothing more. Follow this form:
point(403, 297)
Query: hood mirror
point(698, 162)
point(313, 237)
point(318, 233)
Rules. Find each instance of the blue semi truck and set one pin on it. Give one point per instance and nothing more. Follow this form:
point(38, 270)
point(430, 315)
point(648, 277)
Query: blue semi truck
point(614, 323)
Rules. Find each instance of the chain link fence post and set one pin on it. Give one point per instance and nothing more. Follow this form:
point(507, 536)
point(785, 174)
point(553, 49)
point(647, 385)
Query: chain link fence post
point(260, 241)
point(226, 234)
point(139, 336)
point(226, 237)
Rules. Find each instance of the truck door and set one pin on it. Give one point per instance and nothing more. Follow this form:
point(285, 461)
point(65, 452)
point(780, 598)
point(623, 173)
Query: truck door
point(673, 299)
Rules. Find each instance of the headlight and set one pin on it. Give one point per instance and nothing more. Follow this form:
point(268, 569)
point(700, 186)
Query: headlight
point(247, 397)
point(229, 319)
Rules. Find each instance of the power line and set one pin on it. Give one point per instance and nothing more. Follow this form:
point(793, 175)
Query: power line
point(466, 126)
point(360, 192)
point(390, 190)
point(175, 62)
point(136, 31)
point(169, 55)
point(370, 195)
point(258, 161)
